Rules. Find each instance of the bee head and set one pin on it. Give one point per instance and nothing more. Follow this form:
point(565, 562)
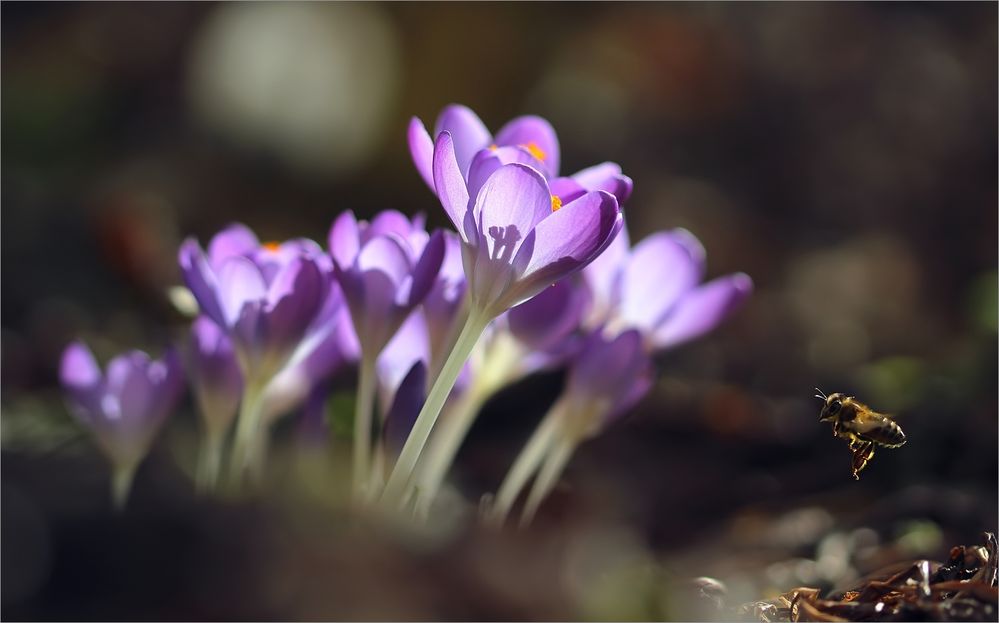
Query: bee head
point(834, 403)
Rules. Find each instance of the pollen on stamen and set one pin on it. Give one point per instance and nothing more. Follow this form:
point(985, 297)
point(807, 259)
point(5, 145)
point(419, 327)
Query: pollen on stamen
point(556, 203)
point(536, 151)
point(493, 147)
point(271, 246)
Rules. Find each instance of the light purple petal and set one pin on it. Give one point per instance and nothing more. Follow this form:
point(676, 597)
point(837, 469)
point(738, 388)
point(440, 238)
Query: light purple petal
point(233, 241)
point(200, 280)
point(129, 383)
point(568, 189)
point(702, 309)
point(426, 269)
point(344, 239)
point(410, 344)
point(661, 269)
point(567, 241)
point(603, 274)
point(290, 316)
point(469, 133)
point(78, 368)
point(606, 176)
point(385, 254)
point(240, 281)
point(450, 184)
point(406, 404)
point(510, 204)
point(216, 380)
point(421, 148)
point(486, 161)
point(536, 134)
point(388, 222)
point(548, 318)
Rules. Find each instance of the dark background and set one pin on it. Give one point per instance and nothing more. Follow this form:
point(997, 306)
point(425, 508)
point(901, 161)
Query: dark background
point(843, 155)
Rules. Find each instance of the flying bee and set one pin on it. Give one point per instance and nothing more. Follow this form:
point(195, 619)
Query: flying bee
point(861, 426)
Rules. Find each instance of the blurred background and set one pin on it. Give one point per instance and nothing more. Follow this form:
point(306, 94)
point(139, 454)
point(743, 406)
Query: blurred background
point(843, 155)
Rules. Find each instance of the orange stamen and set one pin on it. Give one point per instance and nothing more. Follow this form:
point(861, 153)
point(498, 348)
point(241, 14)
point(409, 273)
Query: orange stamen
point(271, 246)
point(536, 151)
point(556, 203)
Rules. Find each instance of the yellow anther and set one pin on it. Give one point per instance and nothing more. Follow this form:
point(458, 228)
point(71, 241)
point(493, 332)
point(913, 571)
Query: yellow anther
point(536, 151)
point(271, 246)
point(493, 147)
point(556, 203)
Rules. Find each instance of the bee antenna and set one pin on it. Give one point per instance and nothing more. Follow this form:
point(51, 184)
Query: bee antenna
point(821, 395)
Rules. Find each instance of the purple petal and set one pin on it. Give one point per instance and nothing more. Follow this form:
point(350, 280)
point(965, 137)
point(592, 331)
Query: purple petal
point(406, 405)
point(469, 133)
point(215, 376)
point(510, 204)
point(200, 280)
point(568, 189)
point(344, 239)
point(545, 320)
point(421, 148)
point(385, 254)
point(486, 161)
point(450, 184)
point(617, 371)
point(81, 378)
point(292, 314)
point(702, 309)
point(606, 176)
point(78, 369)
point(236, 240)
point(410, 344)
point(426, 269)
point(567, 240)
point(661, 269)
point(603, 274)
point(240, 282)
point(535, 134)
point(388, 222)
point(129, 383)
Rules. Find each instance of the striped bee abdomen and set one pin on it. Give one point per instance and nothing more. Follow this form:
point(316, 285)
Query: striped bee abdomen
point(886, 433)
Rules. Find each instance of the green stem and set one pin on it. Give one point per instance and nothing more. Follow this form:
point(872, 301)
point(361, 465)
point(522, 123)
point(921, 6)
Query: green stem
point(247, 429)
point(209, 461)
point(547, 478)
point(363, 410)
point(398, 481)
point(121, 484)
point(525, 465)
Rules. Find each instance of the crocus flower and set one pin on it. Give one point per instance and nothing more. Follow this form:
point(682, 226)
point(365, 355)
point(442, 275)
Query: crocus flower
point(442, 307)
point(217, 384)
point(529, 135)
point(656, 288)
point(517, 238)
point(124, 408)
point(386, 268)
point(273, 300)
point(264, 296)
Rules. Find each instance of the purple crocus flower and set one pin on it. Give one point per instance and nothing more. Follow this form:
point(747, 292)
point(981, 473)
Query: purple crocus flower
point(125, 407)
point(656, 288)
point(517, 238)
point(266, 297)
point(386, 268)
point(528, 137)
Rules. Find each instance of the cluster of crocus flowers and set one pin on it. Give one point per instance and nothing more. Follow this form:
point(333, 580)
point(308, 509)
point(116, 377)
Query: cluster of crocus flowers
point(538, 274)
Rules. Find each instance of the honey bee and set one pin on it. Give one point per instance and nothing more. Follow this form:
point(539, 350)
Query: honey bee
point(861, 426)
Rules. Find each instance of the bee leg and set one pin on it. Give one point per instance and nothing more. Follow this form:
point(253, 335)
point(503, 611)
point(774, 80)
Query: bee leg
point(862, 455)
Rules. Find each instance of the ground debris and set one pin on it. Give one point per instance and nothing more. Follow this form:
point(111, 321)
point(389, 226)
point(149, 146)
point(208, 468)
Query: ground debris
point(962, 589)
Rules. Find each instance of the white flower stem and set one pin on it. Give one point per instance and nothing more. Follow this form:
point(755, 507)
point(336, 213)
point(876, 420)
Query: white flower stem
point(121, 484)
point(363, 410)
point(525, 465)
point(209, 461)
point(444, 444)
point(558, 456)
point(398, 481)
point(247, 429)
